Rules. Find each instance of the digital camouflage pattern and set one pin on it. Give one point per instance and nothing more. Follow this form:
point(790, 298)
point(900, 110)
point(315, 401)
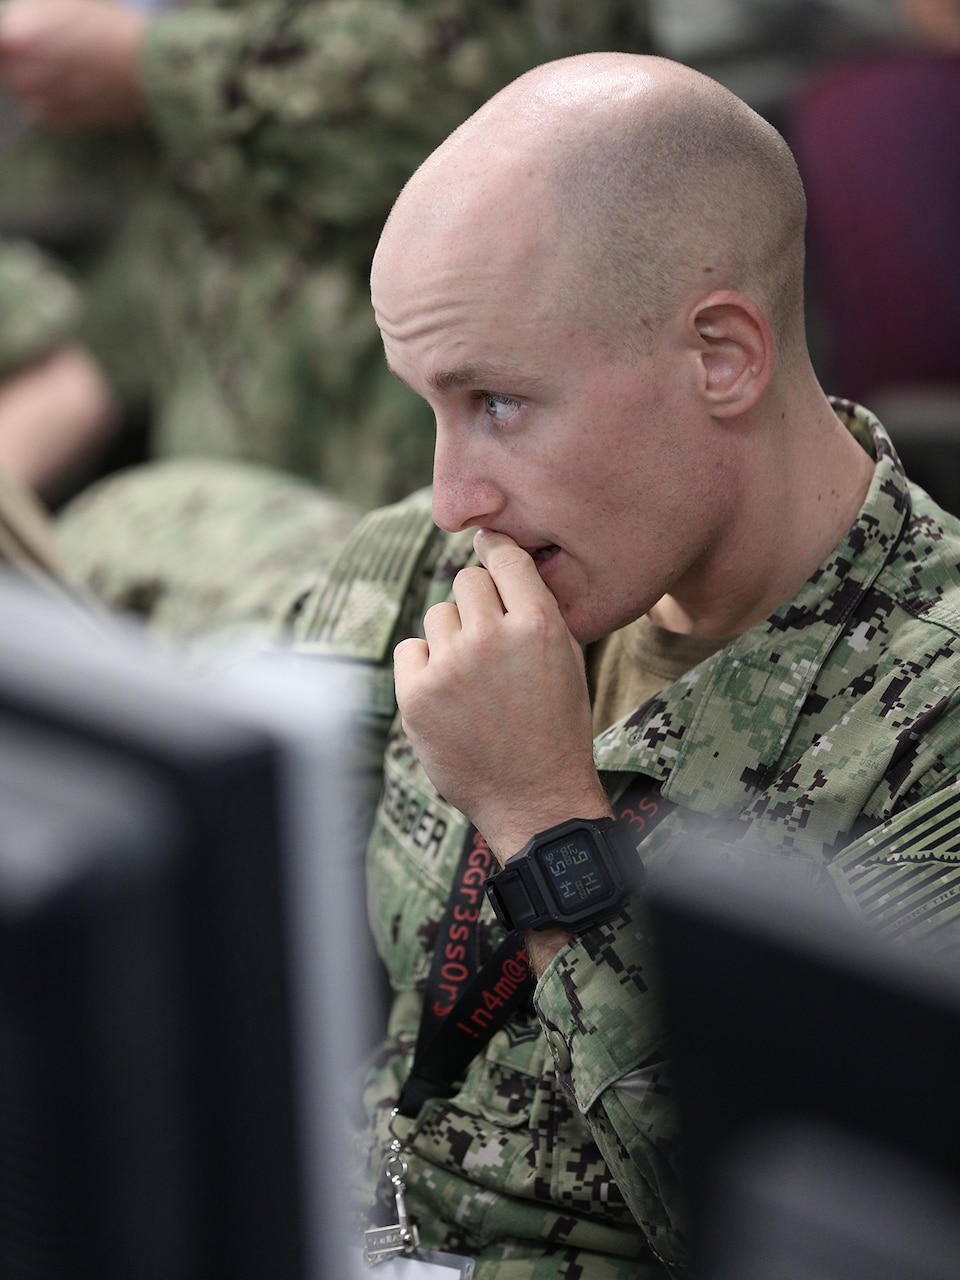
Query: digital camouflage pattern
point(39, 306)
point(70, 196)
point(279, 134)
point(215, 555)
point(39, 310)
point(827, 733)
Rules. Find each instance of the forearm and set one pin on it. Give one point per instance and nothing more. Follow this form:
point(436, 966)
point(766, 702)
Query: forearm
point(54, 415)
point(55, 404)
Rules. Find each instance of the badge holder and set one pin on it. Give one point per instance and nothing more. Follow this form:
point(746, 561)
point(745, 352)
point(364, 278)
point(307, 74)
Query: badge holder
point(395, 1250)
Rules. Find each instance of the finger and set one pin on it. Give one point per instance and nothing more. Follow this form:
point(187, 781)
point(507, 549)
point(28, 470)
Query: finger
point(441, 622)
point(512, 569)
point(409, 659)
point(476, 594)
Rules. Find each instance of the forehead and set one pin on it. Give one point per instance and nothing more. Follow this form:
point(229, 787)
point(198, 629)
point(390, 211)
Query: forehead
point(489, 224)
point(476, 287)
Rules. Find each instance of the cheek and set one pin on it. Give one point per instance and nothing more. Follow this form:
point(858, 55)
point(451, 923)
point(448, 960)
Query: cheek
point(615, 490)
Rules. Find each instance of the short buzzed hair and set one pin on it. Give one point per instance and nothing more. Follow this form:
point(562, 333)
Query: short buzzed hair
point(692, 189)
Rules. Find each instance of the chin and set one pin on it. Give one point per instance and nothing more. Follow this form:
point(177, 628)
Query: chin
point(584, 630)
point(586, 624)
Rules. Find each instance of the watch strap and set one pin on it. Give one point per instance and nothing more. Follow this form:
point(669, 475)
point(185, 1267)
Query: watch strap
point(514, 896)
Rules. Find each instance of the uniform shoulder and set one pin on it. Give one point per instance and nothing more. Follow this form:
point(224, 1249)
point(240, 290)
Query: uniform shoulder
point(926, 563)
point(380, 579)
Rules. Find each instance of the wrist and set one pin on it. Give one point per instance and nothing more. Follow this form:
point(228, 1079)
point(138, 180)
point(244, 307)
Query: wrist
point(543, 946)
point(568, 877)
point(509, 834)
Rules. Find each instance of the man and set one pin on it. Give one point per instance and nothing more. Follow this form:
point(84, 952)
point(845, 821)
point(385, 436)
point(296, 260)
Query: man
point(672, 584)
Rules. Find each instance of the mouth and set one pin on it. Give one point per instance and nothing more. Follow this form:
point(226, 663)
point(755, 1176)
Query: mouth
point(542, 554)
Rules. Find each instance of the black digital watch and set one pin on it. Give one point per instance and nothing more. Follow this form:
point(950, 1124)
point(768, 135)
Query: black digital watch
point(570, 876)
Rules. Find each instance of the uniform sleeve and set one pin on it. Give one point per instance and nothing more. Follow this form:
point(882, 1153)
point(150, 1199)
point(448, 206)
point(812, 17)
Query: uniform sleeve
point(40, 307)
point(329, 106)
point(603, 1024)
point(902, 877)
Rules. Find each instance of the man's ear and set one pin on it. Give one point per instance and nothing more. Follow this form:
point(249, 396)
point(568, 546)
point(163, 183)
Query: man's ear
point(735, 351)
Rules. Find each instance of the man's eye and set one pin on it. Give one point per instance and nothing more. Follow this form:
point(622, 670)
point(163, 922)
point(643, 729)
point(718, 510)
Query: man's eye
point(500, 408)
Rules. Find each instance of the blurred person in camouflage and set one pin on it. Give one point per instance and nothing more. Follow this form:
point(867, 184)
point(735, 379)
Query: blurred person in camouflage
point(663, 586)
point(265, 543)
point(280, 134)
point(56, 406)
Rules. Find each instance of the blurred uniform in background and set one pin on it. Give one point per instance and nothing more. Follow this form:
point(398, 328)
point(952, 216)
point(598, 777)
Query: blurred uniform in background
point(56, 406)
point(259, 150)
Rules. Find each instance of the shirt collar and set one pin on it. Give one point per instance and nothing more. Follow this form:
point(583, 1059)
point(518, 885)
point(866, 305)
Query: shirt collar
point(701, 737)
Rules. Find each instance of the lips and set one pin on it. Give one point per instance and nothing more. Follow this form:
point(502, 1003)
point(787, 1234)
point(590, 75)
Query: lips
point(540, 554)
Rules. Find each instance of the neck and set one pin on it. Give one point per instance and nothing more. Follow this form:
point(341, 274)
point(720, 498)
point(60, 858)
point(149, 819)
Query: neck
point(803, 494)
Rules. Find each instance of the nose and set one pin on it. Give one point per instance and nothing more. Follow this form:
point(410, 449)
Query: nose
point(465, 493)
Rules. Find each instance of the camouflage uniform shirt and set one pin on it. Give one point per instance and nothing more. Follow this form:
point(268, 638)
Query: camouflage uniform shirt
point(828, 729)
point(40, 306)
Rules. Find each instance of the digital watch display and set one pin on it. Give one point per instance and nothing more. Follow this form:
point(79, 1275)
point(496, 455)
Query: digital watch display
point(571, 876)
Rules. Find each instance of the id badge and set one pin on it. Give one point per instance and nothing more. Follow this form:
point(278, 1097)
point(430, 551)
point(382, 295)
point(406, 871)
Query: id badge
point(428, 1264)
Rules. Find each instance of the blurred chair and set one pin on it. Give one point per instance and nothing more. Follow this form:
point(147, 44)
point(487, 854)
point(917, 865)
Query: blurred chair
point(877, 140)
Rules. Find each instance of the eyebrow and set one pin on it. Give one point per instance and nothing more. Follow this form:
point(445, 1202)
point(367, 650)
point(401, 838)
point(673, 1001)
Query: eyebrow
point(469, 375)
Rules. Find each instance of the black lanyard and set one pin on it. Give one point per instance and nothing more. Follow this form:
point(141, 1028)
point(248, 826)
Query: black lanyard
point(466, 1003)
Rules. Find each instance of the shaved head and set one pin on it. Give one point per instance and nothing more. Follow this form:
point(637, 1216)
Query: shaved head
point(648, 184)
point(596, 285)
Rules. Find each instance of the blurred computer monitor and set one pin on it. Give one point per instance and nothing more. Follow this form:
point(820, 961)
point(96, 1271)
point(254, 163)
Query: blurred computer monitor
point(815, 1073)
point(179, 1016)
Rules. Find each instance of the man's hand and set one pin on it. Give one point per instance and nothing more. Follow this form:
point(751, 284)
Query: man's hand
point(495, 702)
point(73, 64)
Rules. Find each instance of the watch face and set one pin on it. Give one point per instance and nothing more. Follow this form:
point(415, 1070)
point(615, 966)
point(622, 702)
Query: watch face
point(574, 872)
